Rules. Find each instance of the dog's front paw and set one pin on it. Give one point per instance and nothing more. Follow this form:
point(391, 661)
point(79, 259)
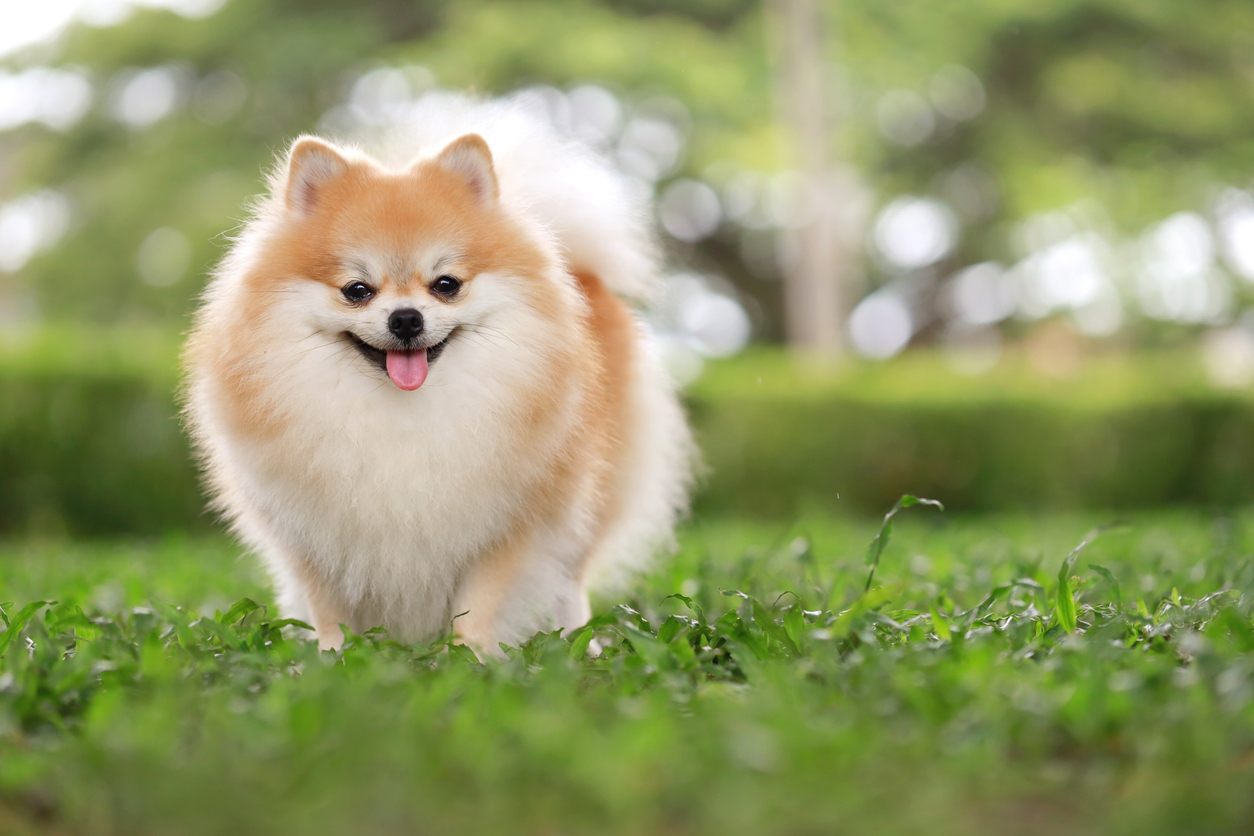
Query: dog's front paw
point(330, 638)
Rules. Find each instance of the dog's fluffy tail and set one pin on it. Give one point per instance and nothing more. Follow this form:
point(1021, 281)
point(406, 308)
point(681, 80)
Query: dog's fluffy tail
point(598, 217)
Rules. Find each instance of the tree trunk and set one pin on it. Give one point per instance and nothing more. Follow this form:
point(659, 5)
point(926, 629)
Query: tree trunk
point(813, 309)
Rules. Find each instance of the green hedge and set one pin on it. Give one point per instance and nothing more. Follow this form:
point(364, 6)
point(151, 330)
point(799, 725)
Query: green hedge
point(93, 456)
point(1128, 432)
point(89, 439)
point(90, 444)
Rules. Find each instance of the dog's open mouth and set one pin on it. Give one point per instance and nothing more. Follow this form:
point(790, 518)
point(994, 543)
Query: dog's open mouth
point(407, 369)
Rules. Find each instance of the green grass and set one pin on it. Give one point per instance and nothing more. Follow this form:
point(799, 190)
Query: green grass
point(779, 698)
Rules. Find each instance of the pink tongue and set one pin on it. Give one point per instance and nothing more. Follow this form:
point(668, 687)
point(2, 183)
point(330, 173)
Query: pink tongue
point(408, 369)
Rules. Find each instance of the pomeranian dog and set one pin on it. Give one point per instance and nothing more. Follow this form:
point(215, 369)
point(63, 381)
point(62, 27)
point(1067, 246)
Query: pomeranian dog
point(416, 388)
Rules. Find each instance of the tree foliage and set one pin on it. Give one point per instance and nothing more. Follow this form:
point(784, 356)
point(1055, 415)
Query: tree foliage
point(1143, 109)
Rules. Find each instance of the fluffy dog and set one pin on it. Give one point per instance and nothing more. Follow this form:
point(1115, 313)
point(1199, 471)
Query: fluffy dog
point(417, 392)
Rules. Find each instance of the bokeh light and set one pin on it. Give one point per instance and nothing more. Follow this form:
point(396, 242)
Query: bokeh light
point(31, 224)
point(689, 210)
point(881, 325)
point(142, 98)
point(905, 118)
point(164, 257)
point(913, 232)
point(57, 98)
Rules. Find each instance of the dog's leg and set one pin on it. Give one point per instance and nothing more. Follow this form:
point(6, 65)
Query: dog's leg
point(322, 609)
point(327, 619)
point(573, 610)
point(482, 595)
point(515, 591)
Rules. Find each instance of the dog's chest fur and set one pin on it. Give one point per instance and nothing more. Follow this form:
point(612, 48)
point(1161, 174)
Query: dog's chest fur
point(389, 494)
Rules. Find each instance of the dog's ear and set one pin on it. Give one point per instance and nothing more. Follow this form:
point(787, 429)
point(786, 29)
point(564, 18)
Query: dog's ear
point(469, 158)
point(311, 165)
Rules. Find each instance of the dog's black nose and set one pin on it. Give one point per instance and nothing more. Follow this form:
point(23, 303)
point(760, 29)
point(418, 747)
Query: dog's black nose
point(405, 323)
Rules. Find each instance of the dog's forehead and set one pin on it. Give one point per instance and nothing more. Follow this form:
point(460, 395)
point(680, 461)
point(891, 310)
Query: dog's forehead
point(403, 266)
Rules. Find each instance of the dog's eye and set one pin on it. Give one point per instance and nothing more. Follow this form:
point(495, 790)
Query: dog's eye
point(357, 291)
point(446, 286)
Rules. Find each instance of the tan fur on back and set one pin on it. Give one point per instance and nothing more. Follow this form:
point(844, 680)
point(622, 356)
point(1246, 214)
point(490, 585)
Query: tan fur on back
point(545, 450)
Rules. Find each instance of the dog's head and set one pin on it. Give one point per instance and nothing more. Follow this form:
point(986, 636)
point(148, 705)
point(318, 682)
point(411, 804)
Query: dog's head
point(399, 267)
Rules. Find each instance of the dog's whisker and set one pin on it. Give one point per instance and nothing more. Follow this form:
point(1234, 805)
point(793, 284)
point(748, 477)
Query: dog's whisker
point(323, 345)
point(488, 333)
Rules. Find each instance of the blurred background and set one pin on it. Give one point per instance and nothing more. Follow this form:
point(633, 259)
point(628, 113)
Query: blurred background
point(999, 252)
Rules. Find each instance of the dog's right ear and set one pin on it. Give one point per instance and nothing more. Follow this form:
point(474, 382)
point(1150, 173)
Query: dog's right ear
point(469, 158)
point(311, 165)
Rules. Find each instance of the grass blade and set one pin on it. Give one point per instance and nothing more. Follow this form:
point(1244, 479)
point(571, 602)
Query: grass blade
point(1064, 603)
point(1113, 581)
point(240, 609)
point(17, 622)
point(880, 542)
point(940, 626)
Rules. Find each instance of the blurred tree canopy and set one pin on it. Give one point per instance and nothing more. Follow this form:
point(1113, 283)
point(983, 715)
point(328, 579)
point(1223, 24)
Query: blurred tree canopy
point(1144, 107)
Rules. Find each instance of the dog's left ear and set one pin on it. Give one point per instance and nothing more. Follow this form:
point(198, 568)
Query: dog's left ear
point(468, 157)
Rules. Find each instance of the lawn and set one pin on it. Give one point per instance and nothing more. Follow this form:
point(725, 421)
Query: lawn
point(961, 694)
